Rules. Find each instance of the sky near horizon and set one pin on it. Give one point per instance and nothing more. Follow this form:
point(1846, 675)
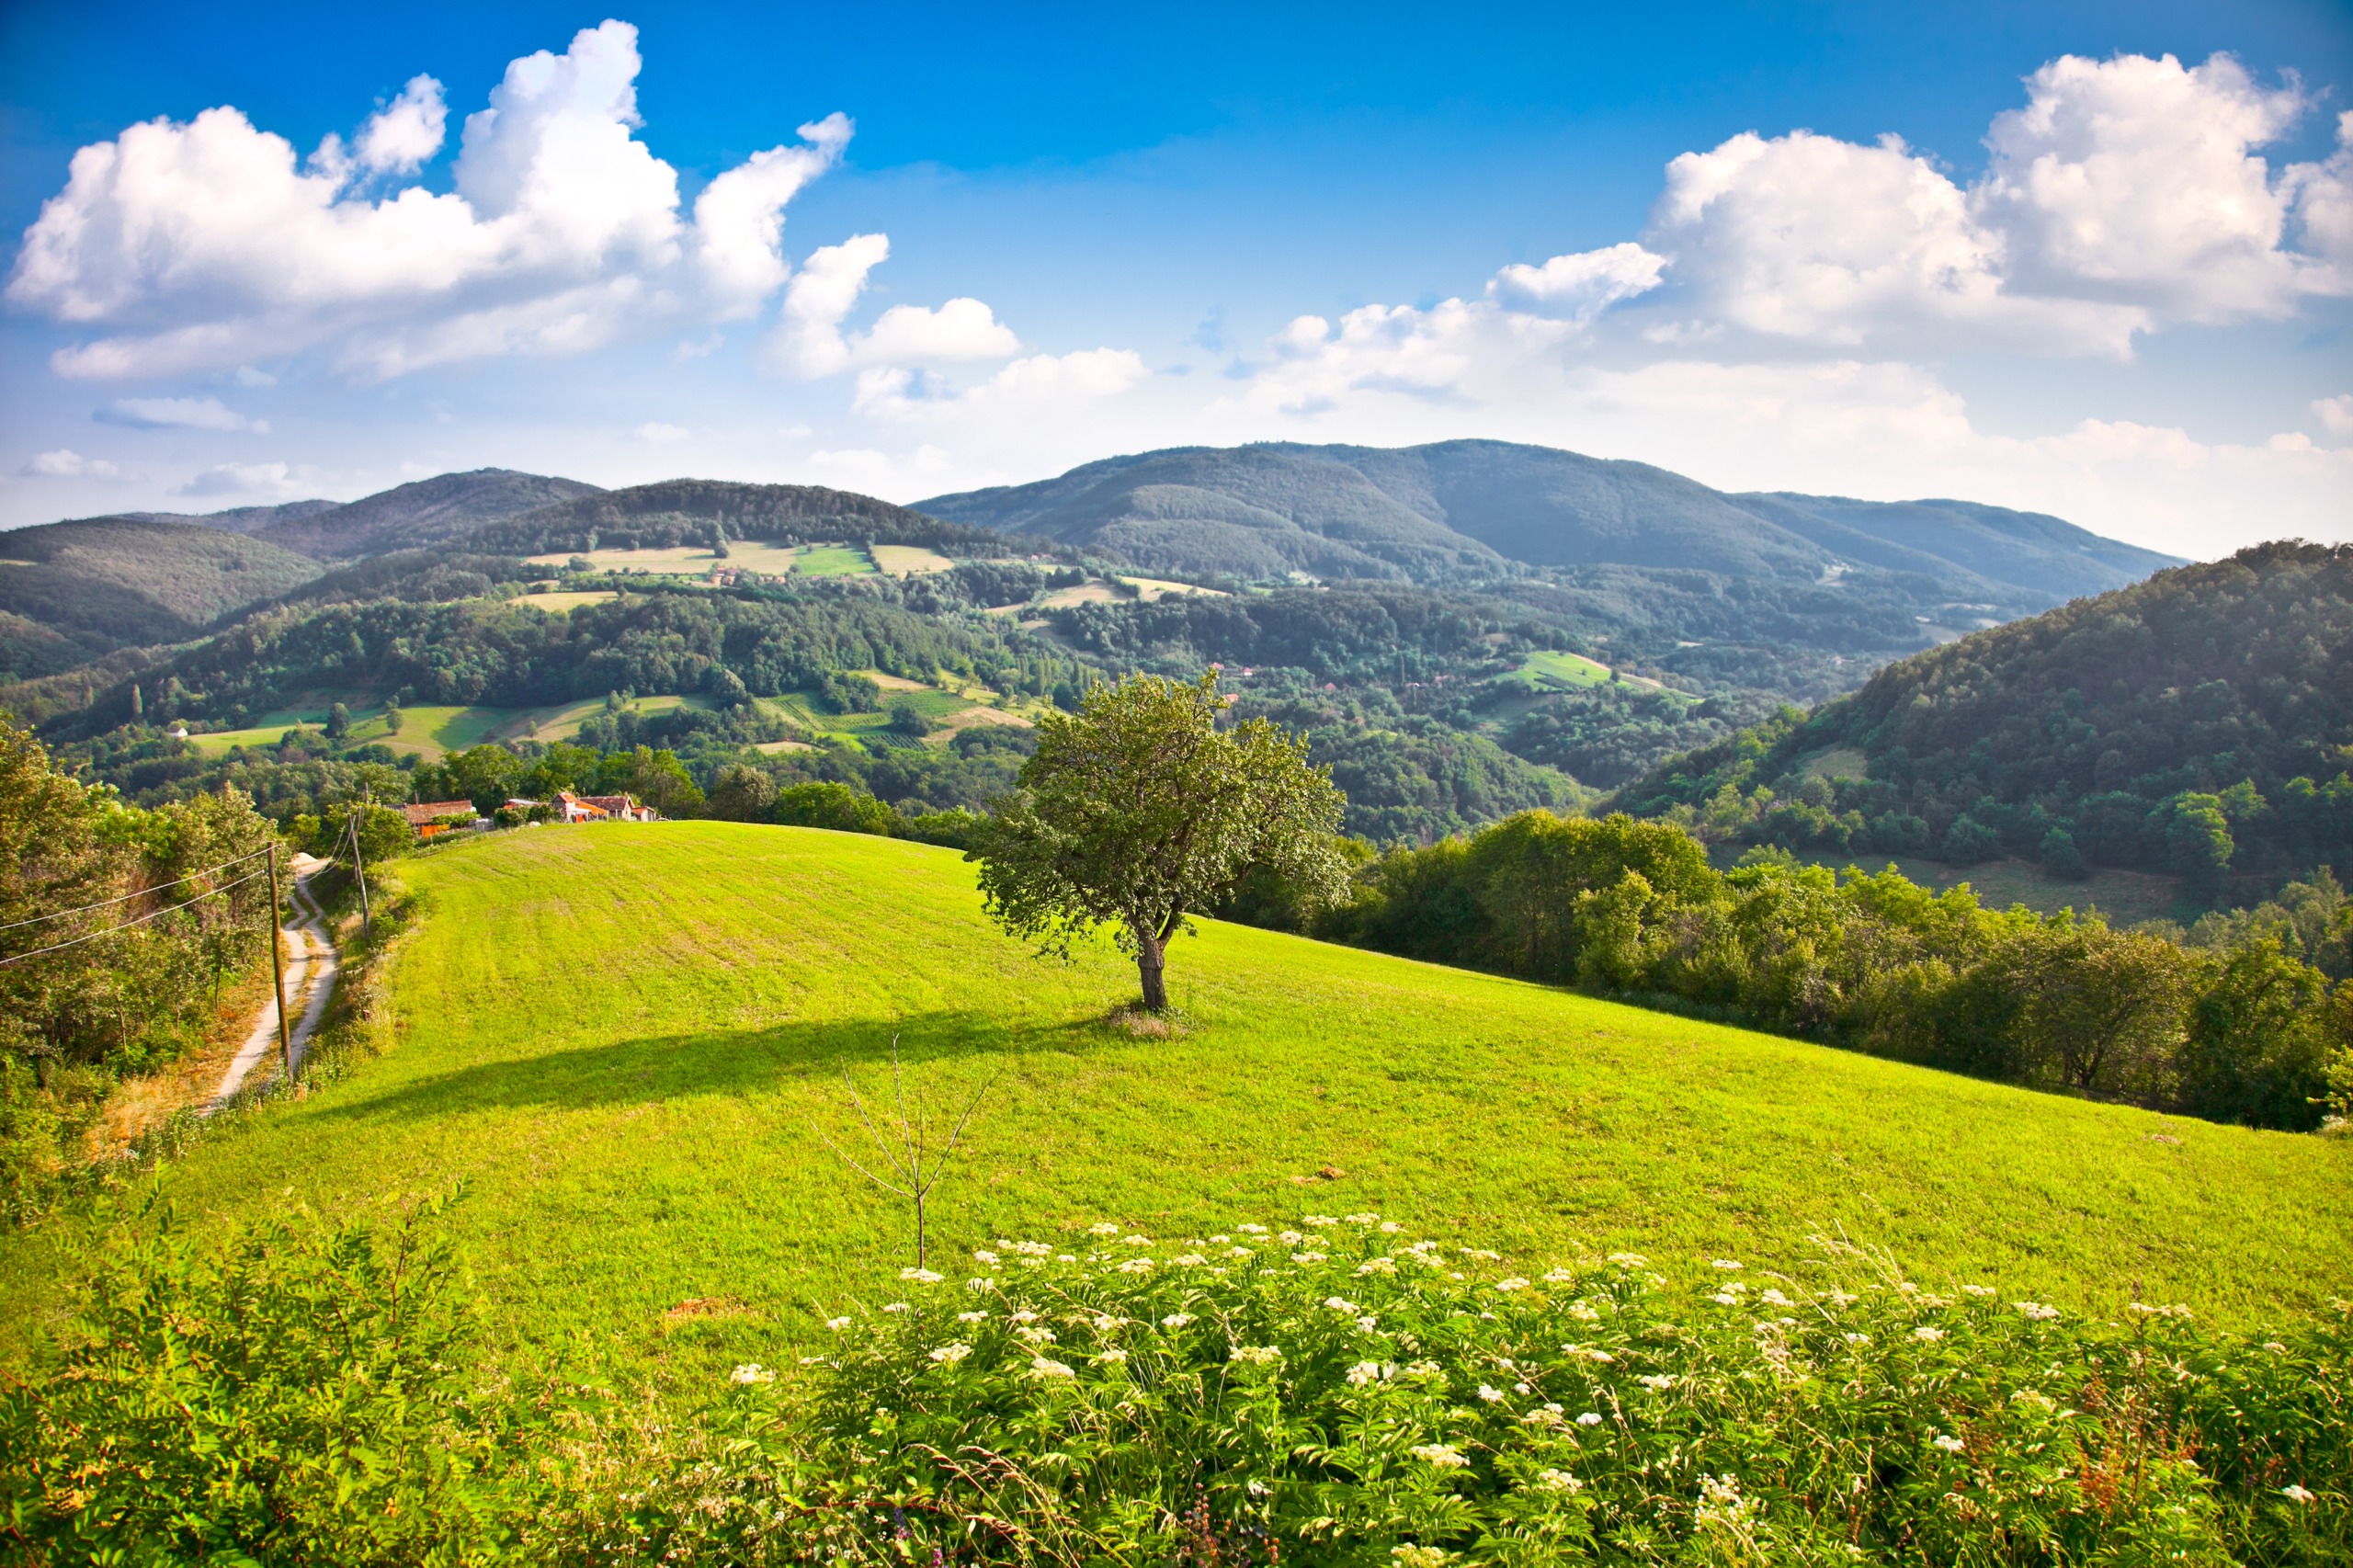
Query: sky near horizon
point(2089, 259)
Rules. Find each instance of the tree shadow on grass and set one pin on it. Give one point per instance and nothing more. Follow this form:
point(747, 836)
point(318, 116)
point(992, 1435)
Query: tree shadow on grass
point(741, 1062)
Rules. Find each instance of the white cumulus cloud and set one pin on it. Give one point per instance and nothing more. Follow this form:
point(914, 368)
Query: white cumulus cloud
point(177, 414)
point(2335, 416)
point(67, 463)
point(269, 482)
point(1579, 286)
point(808, 341)
point(661, 434)
point(209, 244)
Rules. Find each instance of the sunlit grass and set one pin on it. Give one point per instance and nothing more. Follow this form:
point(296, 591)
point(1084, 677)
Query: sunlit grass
point(622, 1036)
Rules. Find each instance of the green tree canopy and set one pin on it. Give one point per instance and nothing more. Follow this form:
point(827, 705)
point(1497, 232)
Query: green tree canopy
point(1138, 811)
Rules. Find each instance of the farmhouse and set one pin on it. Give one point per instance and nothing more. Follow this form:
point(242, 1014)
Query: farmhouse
point(430, 818)
point(569, 807)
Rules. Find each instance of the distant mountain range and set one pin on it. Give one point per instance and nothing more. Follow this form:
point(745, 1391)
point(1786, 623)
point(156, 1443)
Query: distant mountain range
point(1456, 509)
point(407, 516)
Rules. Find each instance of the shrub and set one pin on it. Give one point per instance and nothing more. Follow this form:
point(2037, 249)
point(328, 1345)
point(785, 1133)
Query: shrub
point(298, 1395)
point(1359, 1399)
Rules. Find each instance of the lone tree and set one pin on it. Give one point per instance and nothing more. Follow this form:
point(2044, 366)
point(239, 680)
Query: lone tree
point(1138, 811)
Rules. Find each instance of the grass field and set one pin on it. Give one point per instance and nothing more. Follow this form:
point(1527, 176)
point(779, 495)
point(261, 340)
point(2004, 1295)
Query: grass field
point(622, 1038)
point(432, 732)
point(908, 560)
point(742, 555)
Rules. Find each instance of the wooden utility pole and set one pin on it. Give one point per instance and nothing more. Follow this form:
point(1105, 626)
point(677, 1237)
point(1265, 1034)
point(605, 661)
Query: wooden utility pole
point(278, 968)
point(367, 916)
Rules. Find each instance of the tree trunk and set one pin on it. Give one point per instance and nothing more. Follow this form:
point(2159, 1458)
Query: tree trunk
point(1150, 954)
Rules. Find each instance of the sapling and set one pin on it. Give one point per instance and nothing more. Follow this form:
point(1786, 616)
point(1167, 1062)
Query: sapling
point(917, 1165)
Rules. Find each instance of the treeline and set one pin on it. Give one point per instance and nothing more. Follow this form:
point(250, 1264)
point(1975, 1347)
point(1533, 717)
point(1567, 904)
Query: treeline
point(119, 929)
point(2199, 722)
point(2248, 1030)
point(703, 511)
point(505, 654)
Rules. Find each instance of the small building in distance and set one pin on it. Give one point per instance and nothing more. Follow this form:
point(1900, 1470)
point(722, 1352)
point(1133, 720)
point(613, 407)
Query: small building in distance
point(432, 818)
point(621, 808)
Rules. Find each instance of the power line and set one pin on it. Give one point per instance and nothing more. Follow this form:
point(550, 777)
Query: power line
point(142, 892)
point(168, 909)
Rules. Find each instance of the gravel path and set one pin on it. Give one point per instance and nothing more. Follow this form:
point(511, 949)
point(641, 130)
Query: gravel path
point(310, 981)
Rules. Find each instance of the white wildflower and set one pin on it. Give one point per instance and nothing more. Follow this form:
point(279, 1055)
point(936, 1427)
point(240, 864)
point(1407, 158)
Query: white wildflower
point(1558, 1481)
point(1239, 1252)
point(751, 1373)
point(1102, 1228)
point(1176, 1320)
point(1629, 1259)
point(1491, 1394)
point(1111, 1357)
point(1289, 1238)
point(1979, 1290)
point(1304, 1257)
point(1036, 1336)
point(1341, 1304)
point(1364, 1373)
point(2036, 1312)
point(1252, 1229)
point(2275, 1347)
point(1728, 1264)
point(1544, 1415)
point(950, 1355)
point(1045, 1367)
point(2295, 1493)
point(1425, 1370)
point(1220, 1241)
point(1136, 1266)
point(1656, 1383)
point(1722, 1300)
point(921, 1276)
point(972, 1317)
point(1590, 1418)
point(1190, 1260)
point(1482, 1255)
point(1513, 1284)
point(1367, 1323)
point(1858, 1339)
point(1317, 1220)
point(1928, 1335)
point(1065, 1257)
point(1257, 1354)
point(1367, 1218)
point(1444, 1455)
point(1950, 1443)
point(838, 1325)
point(1558, 1276)
point(984, 1257)
point(897, 1307)
point(1777, 1299)
point(1025, 1315)
point(1377, 1265)
point(1584, 1313)
point(1390, 1227)
point(1418, 1557)
point(1136, 1240)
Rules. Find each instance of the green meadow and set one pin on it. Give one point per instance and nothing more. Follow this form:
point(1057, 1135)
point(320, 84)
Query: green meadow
point(628, 1040)
point(432, 730)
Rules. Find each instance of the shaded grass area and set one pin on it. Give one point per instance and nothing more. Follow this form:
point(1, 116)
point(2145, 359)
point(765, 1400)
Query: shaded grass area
point(624, 1039)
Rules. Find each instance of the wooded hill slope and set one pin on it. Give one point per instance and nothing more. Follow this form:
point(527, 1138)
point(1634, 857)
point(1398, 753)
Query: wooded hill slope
point(2202, 722)
point(72, 591)
point(1464, 508)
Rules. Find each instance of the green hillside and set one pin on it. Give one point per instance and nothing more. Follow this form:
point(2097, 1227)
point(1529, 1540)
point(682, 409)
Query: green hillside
point(106, 583)
point(2198, 724)
point(620, 1039)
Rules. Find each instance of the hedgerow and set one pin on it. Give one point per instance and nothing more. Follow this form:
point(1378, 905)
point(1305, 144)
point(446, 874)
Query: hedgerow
point(1337, 1394)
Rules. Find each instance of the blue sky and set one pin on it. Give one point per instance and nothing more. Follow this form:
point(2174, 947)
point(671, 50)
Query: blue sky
point(2102, 273)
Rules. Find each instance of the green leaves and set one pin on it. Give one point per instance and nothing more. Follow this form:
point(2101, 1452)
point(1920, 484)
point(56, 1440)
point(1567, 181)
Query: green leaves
point(1138, 811)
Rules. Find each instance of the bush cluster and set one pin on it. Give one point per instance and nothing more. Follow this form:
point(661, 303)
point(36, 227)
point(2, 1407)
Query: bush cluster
point(2242, 1031)
point(1335, 1393)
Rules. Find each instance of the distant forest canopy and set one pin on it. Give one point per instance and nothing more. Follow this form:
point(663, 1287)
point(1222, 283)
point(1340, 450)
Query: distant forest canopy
point(77, 590)
point(2200, 723)
point(703, 511)
point(501, 654)
point(1643, 615)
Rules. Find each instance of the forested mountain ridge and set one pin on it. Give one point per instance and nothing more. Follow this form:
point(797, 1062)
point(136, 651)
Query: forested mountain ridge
point(696, 511)
point(427, 512)
point(73, 591)
point(1454, 508)
point(2200, 722)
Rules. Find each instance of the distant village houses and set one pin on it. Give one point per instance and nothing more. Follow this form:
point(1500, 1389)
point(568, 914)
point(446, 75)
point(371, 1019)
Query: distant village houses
point(569, 807)
point(432, 818)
